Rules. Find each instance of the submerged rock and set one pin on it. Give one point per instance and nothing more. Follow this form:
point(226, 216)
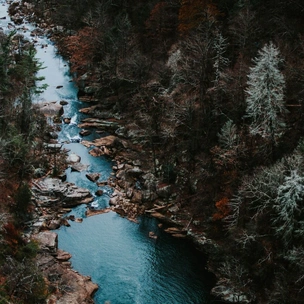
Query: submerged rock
point(85, 132)
point(63, 102)
point(93, 177)
point(99, 192)
point(67, 120)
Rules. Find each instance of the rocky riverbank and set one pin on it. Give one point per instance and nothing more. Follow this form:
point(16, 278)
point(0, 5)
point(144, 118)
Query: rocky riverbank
point(67, 286)
point(137, 189)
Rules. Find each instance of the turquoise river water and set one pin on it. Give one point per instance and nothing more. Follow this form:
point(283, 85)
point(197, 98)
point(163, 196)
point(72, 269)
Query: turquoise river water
point(128, 266)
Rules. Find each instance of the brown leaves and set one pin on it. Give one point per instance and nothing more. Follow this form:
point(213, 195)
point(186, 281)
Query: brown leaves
point(81, 48)
point(11, 236)
point(222, 209)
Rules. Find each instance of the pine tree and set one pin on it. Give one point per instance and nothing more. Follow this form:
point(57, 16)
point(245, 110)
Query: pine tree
point(289, 205)
point(265, 95)
point(228, 137)
point(220, 61)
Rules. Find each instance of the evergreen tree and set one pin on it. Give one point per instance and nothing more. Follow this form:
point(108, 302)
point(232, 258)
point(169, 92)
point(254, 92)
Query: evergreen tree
point(288, 205)
point(265, 95)
point(220, 61)
point(228, 137)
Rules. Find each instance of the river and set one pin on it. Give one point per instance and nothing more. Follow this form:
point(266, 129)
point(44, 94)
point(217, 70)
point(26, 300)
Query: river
point(128, 266)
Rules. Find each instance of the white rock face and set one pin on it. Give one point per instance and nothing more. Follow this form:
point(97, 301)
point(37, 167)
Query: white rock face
point(51, 108)
point(73, 158)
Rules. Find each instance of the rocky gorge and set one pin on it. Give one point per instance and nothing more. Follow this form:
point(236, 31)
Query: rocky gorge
point(136, 187)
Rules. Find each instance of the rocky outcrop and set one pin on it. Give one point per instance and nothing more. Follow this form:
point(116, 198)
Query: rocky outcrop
point(98, 123)
point(93, 177)
point(63, 256)
point(97, 111)
point(52, 192)
point(69, 286)
point(110, 141)
point(51, 108)
point(48, 241)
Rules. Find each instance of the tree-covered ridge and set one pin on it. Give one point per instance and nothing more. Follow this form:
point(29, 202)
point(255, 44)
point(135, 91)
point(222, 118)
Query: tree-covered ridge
point(19, 125)
point(215, 89)
point(20, 155)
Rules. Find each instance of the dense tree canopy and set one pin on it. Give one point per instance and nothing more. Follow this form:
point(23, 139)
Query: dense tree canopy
point(207, 85)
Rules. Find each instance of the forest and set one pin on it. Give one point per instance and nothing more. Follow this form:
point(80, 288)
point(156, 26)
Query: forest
point(214, 90)
point(21, 153)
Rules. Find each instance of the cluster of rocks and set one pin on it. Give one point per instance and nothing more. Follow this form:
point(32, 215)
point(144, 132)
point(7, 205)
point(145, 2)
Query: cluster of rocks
point(52, 199)
point(68, 286)
point(53, 192)
point(20, 11)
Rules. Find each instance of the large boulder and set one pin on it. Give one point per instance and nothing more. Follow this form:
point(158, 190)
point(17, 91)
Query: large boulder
point(78, 167)
point(93, 177)
point(63, 255)
point(47, 241)
point(51, 108)
point(99, 151)
point(81, 288)
point(73, 158)
point(55, 192)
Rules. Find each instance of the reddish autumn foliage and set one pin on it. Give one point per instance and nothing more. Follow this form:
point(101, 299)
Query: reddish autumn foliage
point(11, 235)
point(81, 48)
point(222, 209)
